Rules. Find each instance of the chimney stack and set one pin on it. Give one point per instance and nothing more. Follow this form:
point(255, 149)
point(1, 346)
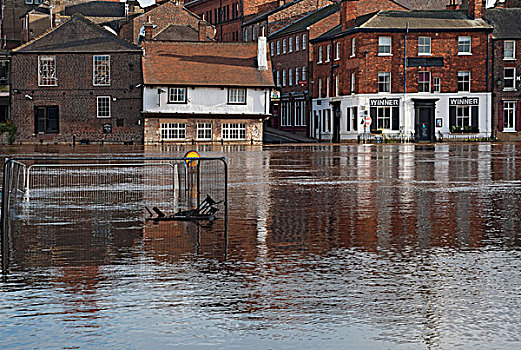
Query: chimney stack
point(453, 5)
point(202, 30)
point(348, 13)
point(149, 30)
point(262, 52)
point(476, 9)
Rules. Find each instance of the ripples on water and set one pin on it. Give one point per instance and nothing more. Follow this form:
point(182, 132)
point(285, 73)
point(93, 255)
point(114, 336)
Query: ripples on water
point(401, 247)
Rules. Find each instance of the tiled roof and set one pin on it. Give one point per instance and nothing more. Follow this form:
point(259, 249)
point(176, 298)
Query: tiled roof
point(77, 35)
point(203, 64)
point(308, 20)
point(97, 9)
point(506, 22)
point(269, 13)
point(424, 20)
point(177, 33)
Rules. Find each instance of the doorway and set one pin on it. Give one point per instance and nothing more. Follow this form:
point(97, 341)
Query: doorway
point(424, 113)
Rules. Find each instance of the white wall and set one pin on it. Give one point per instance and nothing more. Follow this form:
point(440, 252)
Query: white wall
point(202, 100)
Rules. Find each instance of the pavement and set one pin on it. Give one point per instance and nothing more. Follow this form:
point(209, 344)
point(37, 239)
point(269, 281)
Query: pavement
point(272, 135)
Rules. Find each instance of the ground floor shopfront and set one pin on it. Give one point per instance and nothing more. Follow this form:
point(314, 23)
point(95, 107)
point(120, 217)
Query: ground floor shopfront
point(414, 117)
point(202, 129)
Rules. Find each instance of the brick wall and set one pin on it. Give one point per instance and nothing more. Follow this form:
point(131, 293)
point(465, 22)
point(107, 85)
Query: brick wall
point(75, 97)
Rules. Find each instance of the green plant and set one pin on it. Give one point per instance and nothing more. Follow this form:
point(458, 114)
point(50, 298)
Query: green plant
point(10, 129)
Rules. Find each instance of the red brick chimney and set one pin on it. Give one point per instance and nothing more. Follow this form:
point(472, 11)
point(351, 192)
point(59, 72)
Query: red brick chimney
point(202, 30)
point(453, 5)
point(348, 13)
point(476, 9)
point(149, 30)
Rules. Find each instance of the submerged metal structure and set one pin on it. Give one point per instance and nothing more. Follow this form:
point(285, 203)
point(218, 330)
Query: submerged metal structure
point(53, 191)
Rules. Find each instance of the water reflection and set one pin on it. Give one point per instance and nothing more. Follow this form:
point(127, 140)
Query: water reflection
point(364, 246)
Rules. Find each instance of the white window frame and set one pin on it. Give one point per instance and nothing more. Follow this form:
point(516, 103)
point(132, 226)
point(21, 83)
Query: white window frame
point(422, 84)
point(320, 88)
point(353, 47)
point(384, 80)
point(272, 48)
point(101, 69)
point(511, 79)
point(236, 96)
point(233, 131)
point(464, 45)
point(436, 84)
point(290, 76)
point(204, 131)
point(509, 53)
point(384, 118)
point(328, 83)
point(297, 43)
point(462, 115)
point(297, 76)
point(353, 82)
point(283, 77)
point(284, 46)
point(102, 111)
point(278, 47)
point(509, 114)
point(384, 46)
point(290, 44)
point(303, 73)
point(175, 95)
point(320, 54)
point(328, 52)
point(47, 71)
point(424, 46)
point(337, 85)
point(337, 51)
point(304, 42)
point(173, 131)
point(278, 78)
point(464, 78)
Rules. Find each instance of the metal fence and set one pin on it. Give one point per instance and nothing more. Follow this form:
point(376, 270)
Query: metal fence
point(50, 191)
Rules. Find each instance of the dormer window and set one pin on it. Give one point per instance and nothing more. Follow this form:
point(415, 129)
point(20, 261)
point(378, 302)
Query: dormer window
point(237, 96)
point(177, 95)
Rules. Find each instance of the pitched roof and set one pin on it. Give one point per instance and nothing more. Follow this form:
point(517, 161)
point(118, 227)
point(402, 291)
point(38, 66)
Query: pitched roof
point(177, 33)
point(97, 9)
point(304, 22)
point(265, 15)
point(506, 22)
point(440, 20)
point(203, 64)
point(76, 35)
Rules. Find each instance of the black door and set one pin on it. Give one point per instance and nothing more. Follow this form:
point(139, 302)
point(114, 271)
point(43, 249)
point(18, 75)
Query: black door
point(336, 122)
point(424, 120)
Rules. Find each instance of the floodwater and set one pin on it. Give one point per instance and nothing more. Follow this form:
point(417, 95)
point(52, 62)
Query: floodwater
point(329, 247)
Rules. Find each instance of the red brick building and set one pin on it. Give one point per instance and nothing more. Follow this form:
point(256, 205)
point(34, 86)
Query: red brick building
point(80, 82)
point(420, 75)
point(167, 21)
point(506, 80)
point(290, 55)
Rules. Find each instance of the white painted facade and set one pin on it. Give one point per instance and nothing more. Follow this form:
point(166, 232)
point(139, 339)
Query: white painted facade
point(359, 106)
point(206, 101)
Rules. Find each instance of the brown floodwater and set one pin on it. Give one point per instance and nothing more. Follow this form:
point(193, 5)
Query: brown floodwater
point(329, 247)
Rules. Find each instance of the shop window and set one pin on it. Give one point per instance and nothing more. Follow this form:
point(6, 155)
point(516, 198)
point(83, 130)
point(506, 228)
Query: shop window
point(173, 131)
point(234, 131)
point(204, 131)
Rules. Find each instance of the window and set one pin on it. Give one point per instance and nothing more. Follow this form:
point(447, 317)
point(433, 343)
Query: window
point(384, 82)
point(424, 45)
point(464, 81)
point(278, 47)
point(509, 79)
point(337, 86)
point(464, 47)
point(278, 78)
point(101, 70)
point(320, 49)
point(353, 47)
point(383, 120)
point(290, 43)
point(103, 103)
point(272, 52)
point(327, 87)
point(462, 116)
point(304, 73)
point(353, 81)
point(284, 77)
point(237, 96)
point(47, 71)
point(284, 43)
point(177, 95)
point(297, 77)
point(384, 45)
point(204, 131)
point(328, 52)
point(509, 116)
point(320, 87)
point(337, 51)
point(234, 131)
point(173, 131)
point(246, 38)
point(509, 50)
point(304, 43)
point(46, 120)
point(436, 82)
point(297, 43)
point(290, 77)
point(424, 82)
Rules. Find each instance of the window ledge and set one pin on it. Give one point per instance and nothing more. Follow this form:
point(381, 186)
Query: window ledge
point(464, 53)
point(385, 54)
point(509, 59)
point(509, 89)
point(509, 130)
point(424, 54)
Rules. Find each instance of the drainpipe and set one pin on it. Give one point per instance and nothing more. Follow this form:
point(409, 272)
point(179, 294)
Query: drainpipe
point(405, 60)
